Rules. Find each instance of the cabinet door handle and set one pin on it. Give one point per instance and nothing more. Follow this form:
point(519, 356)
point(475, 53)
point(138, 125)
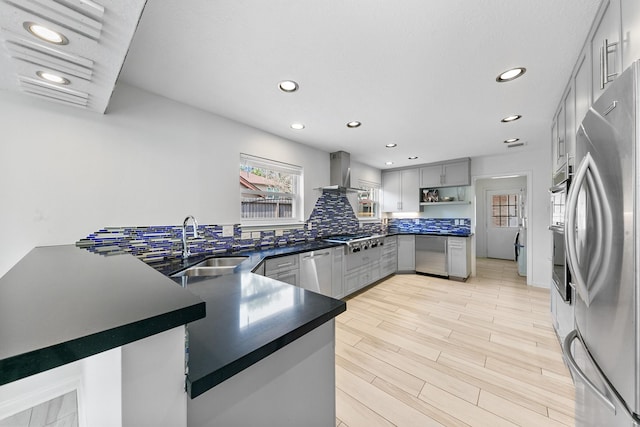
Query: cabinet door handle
point(605, 77)
point(286, 264)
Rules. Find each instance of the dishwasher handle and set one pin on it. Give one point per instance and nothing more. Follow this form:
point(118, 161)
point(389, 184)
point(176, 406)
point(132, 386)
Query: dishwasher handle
point(316, 255)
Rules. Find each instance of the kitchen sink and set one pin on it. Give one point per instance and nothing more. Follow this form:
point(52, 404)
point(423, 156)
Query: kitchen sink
point(230, 261)
point(212, 267)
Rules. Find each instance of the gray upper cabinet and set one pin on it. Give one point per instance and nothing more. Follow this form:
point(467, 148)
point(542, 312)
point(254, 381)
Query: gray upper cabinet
point(455, 173)
point(400, 191)
point(431, 176)
point(630, 12)
point(606, 60)
point(613, 43)
point(558, 152)
point(570, 126)
point(582, 88)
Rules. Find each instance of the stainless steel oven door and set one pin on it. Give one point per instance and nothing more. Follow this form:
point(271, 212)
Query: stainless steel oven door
point(560, 271)
point(558, 202)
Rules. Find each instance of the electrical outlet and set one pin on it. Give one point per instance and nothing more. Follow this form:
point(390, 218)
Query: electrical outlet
point(309, 226)
point(279, 233)
point(255, 234)
point(227, 231)
point(245, 235)
point(416, 221)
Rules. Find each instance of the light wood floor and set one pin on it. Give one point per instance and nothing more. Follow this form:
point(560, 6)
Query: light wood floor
point(421, 351)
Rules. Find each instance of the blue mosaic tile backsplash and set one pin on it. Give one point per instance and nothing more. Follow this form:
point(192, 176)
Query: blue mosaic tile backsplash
point(331, 215)
point(430, 225)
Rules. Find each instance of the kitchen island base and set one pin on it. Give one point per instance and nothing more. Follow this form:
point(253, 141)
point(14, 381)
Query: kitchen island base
point(294, 386)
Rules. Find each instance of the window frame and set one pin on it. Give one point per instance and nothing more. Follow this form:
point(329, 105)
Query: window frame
point(367, 186)
point(508, 207)
point(296, 196)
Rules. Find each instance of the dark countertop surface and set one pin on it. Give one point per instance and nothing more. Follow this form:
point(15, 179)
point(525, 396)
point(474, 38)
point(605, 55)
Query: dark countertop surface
point(60, 304)
point(430, 233)
point(249, 316)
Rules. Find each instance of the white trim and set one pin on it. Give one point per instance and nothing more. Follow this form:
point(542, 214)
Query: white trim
point(474, 219)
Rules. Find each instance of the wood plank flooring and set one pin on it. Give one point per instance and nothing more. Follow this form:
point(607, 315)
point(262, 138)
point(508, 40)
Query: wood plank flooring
point(421, 351)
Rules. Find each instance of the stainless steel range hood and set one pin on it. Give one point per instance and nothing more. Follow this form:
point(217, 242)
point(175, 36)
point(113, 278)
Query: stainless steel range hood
point(340, 173)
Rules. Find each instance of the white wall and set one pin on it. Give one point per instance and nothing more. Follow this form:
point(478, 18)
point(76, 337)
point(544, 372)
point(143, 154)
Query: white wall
point(360, 171)
point(66, 172)
point(537, 165)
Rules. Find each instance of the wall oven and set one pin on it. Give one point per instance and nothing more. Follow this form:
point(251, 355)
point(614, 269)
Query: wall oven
point(560, 273)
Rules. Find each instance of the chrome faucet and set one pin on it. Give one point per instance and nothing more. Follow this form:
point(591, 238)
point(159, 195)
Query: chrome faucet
point(186, 253)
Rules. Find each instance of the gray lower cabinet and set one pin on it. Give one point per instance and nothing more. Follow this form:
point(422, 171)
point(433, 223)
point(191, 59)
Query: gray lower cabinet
point(406, 253)
point(337, 275)
point(285, 269)
point(361, 269)
point(459, 257)
point(389, 258)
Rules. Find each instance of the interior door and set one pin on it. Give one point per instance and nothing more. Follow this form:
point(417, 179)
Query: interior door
point(502, 222)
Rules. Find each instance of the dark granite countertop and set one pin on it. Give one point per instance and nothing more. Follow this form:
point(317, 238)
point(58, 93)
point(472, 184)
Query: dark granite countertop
point(249, 316)
point(254, 256)
point(60, 304)
point(430, 233)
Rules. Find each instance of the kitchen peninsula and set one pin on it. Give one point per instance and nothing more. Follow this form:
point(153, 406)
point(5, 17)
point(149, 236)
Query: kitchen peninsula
point(110, 329)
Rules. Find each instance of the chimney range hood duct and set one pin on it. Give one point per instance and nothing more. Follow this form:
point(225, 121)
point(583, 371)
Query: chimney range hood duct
point(340, 173)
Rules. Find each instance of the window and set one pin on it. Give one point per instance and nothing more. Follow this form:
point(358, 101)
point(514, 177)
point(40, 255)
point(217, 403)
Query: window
point(269, 190)
point(505, 210)
point(368, 202)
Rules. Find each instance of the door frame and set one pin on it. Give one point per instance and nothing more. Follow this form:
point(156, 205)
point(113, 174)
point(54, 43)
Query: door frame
point(528, 175)
point(487, 209)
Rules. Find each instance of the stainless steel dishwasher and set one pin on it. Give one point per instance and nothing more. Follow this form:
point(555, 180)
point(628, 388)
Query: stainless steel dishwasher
point(315, 271)
point(431, 255)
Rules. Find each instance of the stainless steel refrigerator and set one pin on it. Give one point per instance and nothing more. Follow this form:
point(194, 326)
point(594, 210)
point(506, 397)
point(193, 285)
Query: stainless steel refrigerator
point(602, 248)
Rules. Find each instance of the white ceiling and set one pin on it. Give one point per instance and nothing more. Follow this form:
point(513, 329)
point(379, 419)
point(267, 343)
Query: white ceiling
point(417, 73)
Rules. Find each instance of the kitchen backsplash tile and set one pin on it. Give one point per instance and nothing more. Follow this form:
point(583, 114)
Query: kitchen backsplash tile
point(430, 225)
point(331, 215)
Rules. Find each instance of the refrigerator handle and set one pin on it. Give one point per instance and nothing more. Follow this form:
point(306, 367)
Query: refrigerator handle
point(566, 347)
point(604, 230)
point(570, 234)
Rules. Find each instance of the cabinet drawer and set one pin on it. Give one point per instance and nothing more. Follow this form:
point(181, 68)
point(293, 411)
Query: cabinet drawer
point(285, 263)
point(291, 277)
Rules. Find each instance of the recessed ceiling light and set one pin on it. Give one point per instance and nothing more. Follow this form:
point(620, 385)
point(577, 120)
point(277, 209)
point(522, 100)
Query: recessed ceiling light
point(44, 33)
point(288, 86)
point(53, 78)
point(391, 145)
point(353, 124)
point(297, 126)
point(412, 157)
point(510, 140)
point(388, 163)
point(511, 74)
point(511, 118)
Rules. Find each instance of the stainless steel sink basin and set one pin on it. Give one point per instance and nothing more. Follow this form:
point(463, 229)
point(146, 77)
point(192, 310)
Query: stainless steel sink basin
point(230, 261)
point(212, 267)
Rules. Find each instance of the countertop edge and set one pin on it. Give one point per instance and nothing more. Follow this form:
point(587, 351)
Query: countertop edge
point(37, 361)
point(201, 385)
